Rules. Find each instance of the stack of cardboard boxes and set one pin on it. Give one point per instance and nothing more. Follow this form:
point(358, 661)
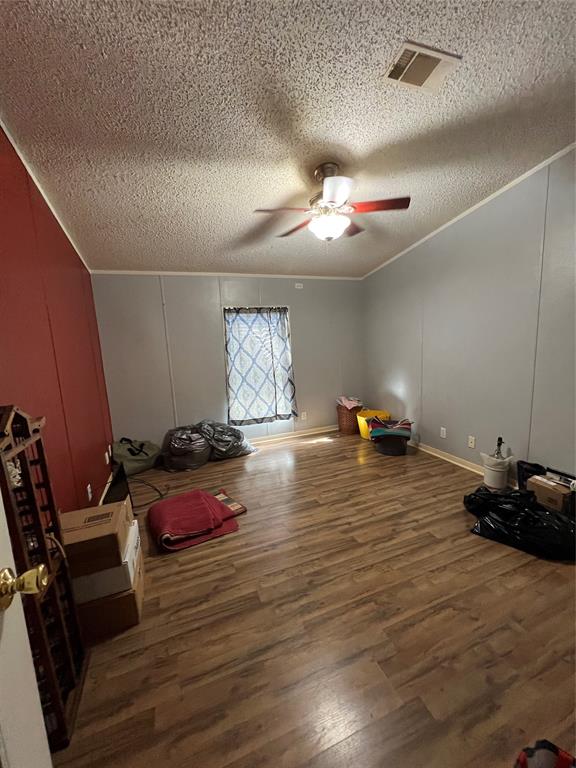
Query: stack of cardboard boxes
point(552, 492)
point(106, 564)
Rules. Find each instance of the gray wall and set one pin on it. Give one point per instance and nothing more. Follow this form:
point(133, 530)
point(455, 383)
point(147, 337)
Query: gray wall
point(473, 330)
point(552, 437)
point(163, 347)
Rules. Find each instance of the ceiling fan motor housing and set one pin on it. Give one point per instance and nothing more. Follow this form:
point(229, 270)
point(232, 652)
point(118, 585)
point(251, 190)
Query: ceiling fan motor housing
point(335, 188)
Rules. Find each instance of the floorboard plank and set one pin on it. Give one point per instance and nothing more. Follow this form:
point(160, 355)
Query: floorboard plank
point(353, 620)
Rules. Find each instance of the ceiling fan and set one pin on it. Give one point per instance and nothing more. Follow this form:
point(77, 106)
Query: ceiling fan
point(328, 216)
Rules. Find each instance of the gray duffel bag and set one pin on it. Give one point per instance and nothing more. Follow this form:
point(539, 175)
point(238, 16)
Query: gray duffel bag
point(135, 455)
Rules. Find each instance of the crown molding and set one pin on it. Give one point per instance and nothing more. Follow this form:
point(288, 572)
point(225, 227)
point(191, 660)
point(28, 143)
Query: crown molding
point(475, 207)
point(161, 273)
point(38, 186)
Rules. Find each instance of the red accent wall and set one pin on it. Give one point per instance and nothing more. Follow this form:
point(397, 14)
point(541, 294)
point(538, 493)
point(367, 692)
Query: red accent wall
point(50, 361)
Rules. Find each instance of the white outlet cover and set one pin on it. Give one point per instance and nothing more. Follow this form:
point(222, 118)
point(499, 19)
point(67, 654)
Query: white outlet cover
point(299, 286)
point(303, 416)
point(442, 431)
point(471, 441)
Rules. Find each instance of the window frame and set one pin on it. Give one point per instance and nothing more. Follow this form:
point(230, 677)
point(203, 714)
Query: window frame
point(271, 419)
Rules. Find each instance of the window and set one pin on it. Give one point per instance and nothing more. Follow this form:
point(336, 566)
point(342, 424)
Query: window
point(260, 379)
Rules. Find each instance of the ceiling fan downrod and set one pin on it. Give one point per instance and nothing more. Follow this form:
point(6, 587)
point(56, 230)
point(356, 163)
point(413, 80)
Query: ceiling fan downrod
point(324, 170)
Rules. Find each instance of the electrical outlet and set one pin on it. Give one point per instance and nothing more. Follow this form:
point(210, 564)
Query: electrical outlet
point(471, 441)
point(442, 431)
point(299, 286)
point(89, 492)
point(303, 415)
point(106, 457)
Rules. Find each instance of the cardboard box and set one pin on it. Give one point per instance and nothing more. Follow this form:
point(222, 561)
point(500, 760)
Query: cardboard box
point(108, 616)
point(552, 495)
point(92, 586)
point(95, 538)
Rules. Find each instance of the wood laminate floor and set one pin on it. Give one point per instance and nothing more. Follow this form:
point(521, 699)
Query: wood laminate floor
point(353, 622)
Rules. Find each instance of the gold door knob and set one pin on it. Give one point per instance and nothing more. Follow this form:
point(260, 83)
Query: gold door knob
point(32, 582)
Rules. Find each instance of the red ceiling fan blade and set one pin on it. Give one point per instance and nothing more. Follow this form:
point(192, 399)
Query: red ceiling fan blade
point(296, 228)
point(353, 229)
point(393, 204)
point(275, 210)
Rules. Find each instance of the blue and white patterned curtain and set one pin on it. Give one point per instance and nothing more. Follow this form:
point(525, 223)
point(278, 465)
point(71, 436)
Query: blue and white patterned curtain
point(259, 365)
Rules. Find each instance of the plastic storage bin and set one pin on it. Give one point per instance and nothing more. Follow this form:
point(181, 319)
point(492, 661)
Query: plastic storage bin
point(365, 416)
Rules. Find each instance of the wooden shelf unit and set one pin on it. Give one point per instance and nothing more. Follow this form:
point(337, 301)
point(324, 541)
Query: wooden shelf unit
point(60, 659)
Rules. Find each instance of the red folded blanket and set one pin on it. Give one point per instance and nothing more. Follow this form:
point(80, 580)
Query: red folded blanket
point(191, 518)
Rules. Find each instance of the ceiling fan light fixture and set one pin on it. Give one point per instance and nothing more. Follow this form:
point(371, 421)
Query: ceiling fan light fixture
point(336, 190)
point(329, 226)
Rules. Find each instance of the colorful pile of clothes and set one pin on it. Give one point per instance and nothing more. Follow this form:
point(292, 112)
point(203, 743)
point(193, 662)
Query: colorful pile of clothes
point(390, 427)
point(390, 436)
point(349, 402)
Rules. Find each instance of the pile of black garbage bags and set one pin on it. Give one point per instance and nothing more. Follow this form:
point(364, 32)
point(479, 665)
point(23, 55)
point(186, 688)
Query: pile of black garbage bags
point(192, 446)
point(515, 518)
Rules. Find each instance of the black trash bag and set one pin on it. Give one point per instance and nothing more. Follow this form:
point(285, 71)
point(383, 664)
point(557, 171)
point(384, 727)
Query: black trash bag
point(227, 442)
point(515, 518)
point(185, 448)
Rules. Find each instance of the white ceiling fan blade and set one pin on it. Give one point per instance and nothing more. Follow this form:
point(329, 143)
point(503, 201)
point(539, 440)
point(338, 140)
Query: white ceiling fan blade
point(336, 190)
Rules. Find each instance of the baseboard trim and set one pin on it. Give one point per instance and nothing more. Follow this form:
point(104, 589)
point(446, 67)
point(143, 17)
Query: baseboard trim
point(294, 435)
point(477, 468)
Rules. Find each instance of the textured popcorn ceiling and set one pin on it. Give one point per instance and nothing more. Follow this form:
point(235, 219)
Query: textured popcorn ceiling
point(155, 128)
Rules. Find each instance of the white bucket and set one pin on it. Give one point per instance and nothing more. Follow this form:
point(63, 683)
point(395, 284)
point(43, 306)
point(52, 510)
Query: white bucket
point(496, 471)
